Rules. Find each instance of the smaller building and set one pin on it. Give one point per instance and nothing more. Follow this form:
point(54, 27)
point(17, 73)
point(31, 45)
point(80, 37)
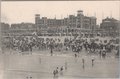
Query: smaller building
point(111, 26)
point(22, 29)
point(5, 28)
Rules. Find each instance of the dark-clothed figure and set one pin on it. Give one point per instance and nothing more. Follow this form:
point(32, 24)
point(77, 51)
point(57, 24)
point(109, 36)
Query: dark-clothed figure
point(83, 62)
point(61, 71)
point(93, 62)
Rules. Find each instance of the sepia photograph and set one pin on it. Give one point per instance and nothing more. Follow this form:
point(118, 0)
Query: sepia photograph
point(59, 39)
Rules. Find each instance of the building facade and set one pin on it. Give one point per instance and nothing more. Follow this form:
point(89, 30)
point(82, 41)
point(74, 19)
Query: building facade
point(110, 26)
point(5, 28)
point(22, 29)
point(71, 23)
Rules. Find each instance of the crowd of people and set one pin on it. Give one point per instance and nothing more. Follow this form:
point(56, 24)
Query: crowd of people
point(28, 43)
point(24, 43)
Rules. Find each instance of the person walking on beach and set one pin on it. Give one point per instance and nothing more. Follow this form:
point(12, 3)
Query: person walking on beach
point(83, 62)
point(93, 62)
point(61, 71)
point(55, 73)
point(65, 65)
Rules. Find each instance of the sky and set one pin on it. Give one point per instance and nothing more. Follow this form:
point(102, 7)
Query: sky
point(24, 11)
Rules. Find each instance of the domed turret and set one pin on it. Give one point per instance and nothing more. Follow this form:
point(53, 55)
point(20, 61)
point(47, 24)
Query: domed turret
point(79, 12)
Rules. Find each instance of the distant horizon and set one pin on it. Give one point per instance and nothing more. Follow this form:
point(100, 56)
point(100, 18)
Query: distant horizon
point(18, 12)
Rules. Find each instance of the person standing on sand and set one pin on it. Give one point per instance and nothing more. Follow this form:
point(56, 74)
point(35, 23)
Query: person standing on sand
point(61, 71)
point(65, 65)
point(93, 61)
point(54, 73)
point(83, 62)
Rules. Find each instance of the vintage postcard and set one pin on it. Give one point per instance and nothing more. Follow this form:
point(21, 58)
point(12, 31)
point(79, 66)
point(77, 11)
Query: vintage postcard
point(59, 39)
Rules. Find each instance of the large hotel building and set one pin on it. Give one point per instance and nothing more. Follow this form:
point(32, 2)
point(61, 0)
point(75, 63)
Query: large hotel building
point(71, 23)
